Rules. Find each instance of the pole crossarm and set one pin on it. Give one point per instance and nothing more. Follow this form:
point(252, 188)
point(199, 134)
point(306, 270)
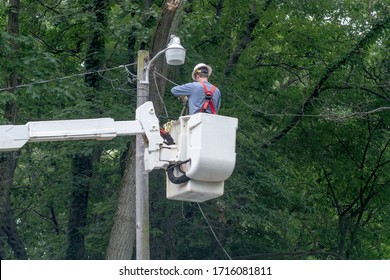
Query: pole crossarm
point(13, 137)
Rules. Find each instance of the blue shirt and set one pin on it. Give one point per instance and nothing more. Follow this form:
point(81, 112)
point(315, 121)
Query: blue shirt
point(196, 96)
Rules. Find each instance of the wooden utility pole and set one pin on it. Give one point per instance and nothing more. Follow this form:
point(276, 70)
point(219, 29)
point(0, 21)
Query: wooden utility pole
point(141, 176)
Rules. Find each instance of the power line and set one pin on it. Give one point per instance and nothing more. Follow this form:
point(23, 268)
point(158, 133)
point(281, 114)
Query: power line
point(159, 95)
point(212, 231)
point(66, 77)
point(165, 78)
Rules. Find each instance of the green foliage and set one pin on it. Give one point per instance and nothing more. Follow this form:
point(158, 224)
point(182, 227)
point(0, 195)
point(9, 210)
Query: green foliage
point(320, 191)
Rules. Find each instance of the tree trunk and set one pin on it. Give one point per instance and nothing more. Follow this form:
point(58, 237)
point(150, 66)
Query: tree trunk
point(83, 164)
point(13, 239)
point(246, 38)
point(8, 160)
point(123, 230)
point(159, 42)
point(122, 235)
point(77, 220)
point(8, 230)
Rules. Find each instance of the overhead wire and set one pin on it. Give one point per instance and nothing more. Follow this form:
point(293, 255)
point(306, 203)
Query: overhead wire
point(67, 77)
point(159, 95)
point(165, 78)
point(212, 231)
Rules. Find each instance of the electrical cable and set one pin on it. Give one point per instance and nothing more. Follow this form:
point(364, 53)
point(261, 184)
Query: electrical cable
point(176, 180)
point(66, 77)
point(212, 231)
point(159, 94)
point(165, 78)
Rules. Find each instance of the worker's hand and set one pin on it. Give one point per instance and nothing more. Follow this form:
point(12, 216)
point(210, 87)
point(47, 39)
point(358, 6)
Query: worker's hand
point(183, 99)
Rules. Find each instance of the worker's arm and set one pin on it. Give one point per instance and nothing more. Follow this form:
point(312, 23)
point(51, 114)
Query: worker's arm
point(183, 90)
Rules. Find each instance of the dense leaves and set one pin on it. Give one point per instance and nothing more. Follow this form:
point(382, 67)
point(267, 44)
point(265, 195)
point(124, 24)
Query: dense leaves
point(308, 81)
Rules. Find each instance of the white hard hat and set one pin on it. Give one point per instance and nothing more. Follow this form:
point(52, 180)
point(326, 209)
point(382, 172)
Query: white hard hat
point(201, 65)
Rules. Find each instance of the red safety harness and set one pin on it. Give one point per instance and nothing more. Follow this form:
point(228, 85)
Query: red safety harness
point(208, 99)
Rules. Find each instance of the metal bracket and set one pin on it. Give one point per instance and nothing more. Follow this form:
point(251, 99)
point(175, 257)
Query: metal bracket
point(145, 114)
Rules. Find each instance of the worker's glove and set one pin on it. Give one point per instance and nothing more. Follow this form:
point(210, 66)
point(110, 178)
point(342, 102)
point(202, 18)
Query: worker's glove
point(183, 99)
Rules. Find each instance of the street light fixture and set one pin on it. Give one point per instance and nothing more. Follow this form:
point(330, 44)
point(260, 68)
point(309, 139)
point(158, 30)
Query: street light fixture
point(175, 54)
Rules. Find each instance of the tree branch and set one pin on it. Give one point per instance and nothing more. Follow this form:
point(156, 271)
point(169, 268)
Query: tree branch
point(161, 37)
point(348, 87)
point(364, 42)
point(246, 38)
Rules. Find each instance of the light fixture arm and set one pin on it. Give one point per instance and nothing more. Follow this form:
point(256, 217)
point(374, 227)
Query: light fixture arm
point(148, 66)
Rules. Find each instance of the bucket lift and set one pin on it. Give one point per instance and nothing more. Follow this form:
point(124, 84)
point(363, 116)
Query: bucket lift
point(197, 165)
point(205, 157)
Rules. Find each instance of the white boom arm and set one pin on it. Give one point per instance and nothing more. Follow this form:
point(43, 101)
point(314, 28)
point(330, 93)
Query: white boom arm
point(13, 137)
point(208, 162)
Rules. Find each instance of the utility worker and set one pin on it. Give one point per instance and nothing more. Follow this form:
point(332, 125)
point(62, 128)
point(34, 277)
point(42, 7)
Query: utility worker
point(202, 95)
